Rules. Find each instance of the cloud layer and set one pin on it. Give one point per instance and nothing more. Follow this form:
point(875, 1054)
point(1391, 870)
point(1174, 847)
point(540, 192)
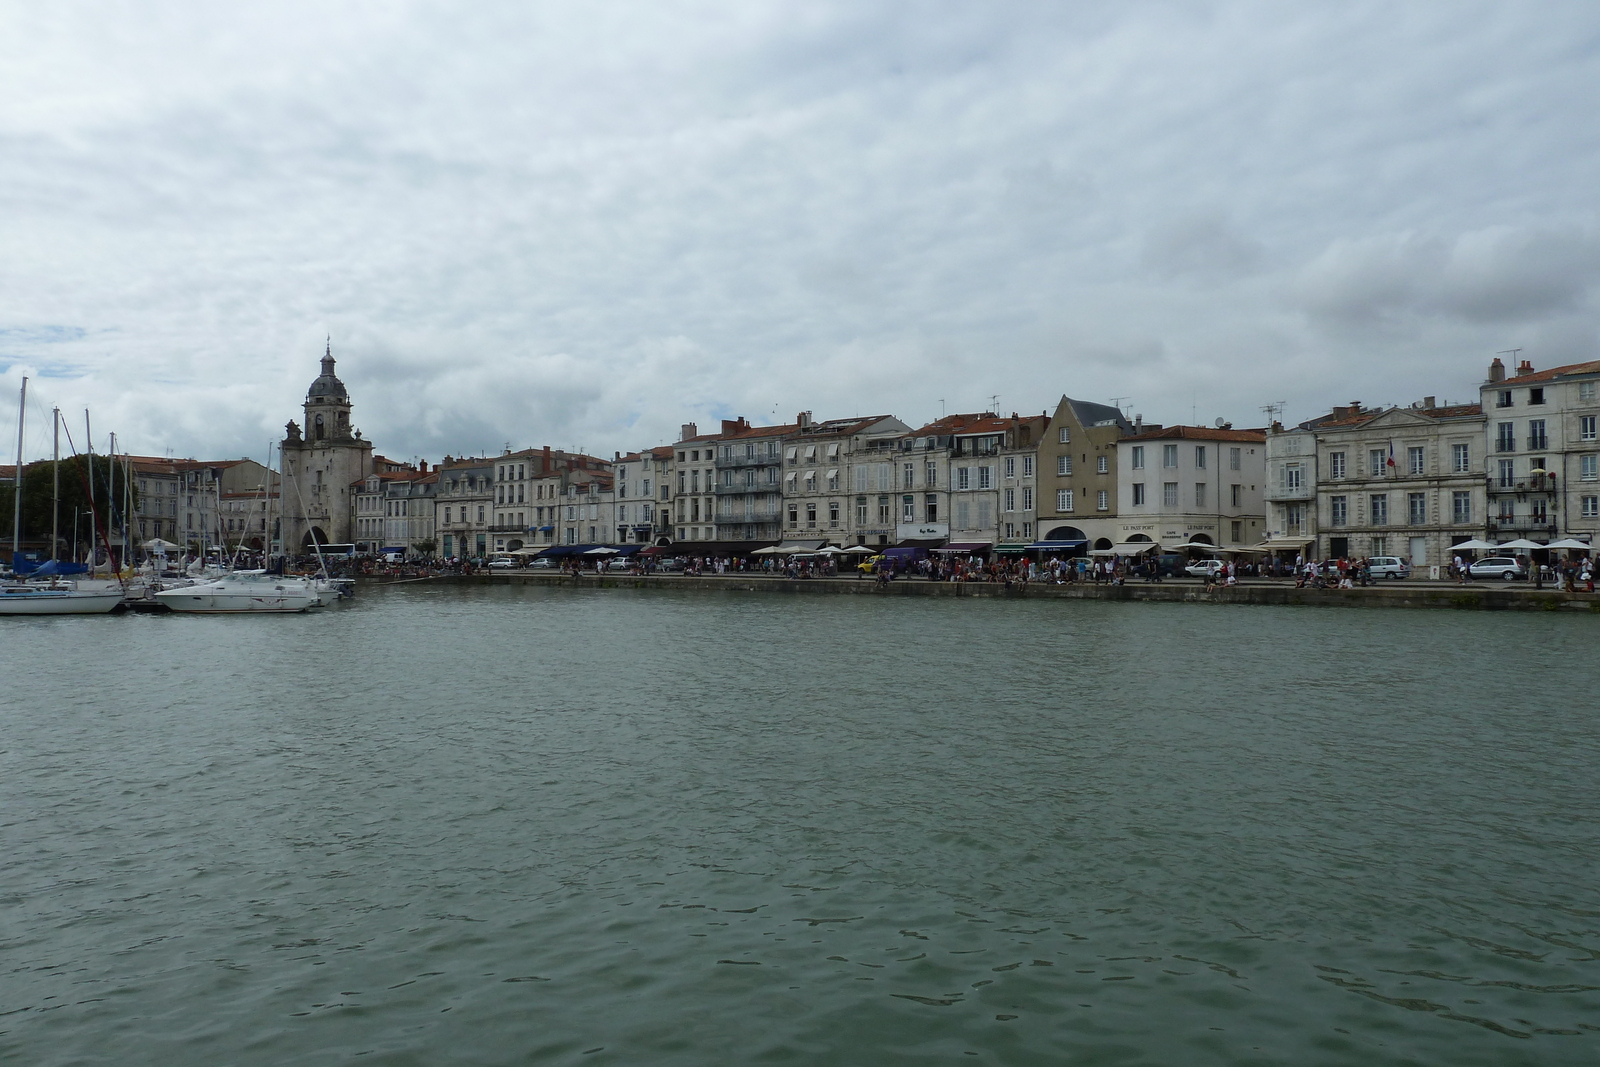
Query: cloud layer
point(583, 225)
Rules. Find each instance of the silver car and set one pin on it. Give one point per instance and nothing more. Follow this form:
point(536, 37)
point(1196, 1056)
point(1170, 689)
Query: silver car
point(1502, 567)
point(1388, 567)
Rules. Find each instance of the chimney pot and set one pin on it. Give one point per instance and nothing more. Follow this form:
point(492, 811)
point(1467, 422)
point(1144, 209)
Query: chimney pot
point(1497, 370)
point(1428, 403)
point(1525, 367)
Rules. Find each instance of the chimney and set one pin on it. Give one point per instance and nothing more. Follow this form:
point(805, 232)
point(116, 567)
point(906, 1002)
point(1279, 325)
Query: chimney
point(731, 426)
point(803, 420)
point(688, 430)
point(422, 466)
point(1497, 370)
point(1525, 367)
point(545, 459)
point(1138, 424)
point(1428, 403)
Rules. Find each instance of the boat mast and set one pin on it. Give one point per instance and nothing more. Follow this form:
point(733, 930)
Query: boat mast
point(55, 477)
point(94, 519)
point(16, 500)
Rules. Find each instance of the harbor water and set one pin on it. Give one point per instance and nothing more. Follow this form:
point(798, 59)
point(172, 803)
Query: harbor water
point(489, 825)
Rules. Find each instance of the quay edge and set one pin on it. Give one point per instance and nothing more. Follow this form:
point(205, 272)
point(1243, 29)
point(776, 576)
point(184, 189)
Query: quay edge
point(1461, 598)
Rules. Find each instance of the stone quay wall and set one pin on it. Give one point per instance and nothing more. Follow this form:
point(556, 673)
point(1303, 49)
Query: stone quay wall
point(1475, 597)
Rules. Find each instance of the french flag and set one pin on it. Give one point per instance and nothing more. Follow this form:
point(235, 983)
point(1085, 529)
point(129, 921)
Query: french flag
point(1391, 454)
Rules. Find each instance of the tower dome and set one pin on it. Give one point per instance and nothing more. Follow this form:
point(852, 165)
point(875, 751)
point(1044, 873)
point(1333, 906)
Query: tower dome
point(327, 383)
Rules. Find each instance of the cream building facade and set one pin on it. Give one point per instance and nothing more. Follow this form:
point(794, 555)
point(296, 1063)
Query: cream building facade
point(322, 465)
point(1542, 437)
point(1192, 483)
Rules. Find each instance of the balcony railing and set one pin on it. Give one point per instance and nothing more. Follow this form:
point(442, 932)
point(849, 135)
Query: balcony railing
point(758, 460)
point(737, 490)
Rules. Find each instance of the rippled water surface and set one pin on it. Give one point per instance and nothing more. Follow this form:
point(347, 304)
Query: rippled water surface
point(506, 826)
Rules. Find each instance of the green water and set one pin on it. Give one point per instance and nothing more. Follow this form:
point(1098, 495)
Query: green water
point(507, 826)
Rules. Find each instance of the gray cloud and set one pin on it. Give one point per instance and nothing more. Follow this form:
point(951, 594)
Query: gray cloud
point(588, 225)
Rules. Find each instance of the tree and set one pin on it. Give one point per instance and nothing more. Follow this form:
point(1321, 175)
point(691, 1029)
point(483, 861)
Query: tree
point(425, 547)
point(38, 481)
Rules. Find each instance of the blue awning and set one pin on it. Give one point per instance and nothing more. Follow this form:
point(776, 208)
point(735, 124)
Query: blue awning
point(1061, 545)
point(544, 529)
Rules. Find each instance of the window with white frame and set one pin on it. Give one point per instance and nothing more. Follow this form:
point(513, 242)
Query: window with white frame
point(1416, 509)
point(1200, 457)
point(1169, 455)
point(1011, 466)
point(1102, 465)
point(1010, 500)
point(1591, 507)
point(1335, 465)
point(1233, 461)
point(1378, 509)
point(1586, 427)
point(1589, 467)
point(1291, 476)
point(1136, 458)
point(963, 477)
point(1169, 494)
point(1416, 459)
point(1586, 390)
point(1461, 506)
point(1027, 466)
point(1066, 435)
point(1102, 500)
point(1063, 499)
point(1377, 461)
point(1138, 494)
point(1063, 465)
point(985, 477)
point(1461, 458)
point(1027, 498)
point(1199, 494)
point(1338, 510)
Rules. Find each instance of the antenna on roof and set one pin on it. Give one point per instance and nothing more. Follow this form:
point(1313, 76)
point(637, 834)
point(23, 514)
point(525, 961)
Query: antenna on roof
point(1120, 402)
point(1274, 409)
point(994, 403)
point(1512, 352)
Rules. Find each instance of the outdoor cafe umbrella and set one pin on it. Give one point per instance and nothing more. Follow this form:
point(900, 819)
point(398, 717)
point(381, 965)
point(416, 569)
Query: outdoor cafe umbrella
point(1571, 543)
point(1521, 543)
point(155, 544)
point(858, 550)
point(601, 551)
point(1476, 545)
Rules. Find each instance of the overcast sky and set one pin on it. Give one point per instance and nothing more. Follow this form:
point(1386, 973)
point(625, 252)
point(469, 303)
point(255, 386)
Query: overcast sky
point(584, 224)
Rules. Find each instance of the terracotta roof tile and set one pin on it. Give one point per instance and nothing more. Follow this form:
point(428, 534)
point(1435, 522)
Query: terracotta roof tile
point(1201, 433)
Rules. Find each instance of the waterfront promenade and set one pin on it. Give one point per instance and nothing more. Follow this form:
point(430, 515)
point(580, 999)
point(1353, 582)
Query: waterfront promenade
point(1476, 596)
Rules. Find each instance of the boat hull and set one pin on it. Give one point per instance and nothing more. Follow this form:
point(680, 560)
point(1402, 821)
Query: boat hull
point(200, 601)
point(58, 602)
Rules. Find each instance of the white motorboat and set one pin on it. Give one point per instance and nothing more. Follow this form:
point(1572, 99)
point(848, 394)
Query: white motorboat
point(56, 598)
point(243, 591)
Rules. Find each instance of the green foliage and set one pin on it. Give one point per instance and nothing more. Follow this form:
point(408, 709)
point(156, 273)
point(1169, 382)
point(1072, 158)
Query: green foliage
point(38, 491)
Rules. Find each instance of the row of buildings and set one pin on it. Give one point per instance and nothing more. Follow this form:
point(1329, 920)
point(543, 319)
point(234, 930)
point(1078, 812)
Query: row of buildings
point(1408, 481)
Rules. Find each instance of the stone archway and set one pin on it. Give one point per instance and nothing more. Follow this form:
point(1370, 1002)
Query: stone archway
point(315, 535)
point(513, 544)
point(1065, 533)
point(1202, 539)
point(1103, 544)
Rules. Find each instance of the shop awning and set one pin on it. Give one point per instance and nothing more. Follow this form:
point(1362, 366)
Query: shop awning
point(966, 546)
point(1014, 549)
point(1133, 548)
point(1056, 546)
point(1279, 544)
point(543, 529)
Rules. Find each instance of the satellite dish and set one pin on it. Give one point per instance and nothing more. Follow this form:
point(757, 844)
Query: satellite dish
point(1220, 423)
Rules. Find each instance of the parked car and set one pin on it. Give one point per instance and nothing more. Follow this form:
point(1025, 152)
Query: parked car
point(669, 565)
point(621, 563)
point(542, 565)
point(1502, 567)
point(502, 564)
point(1204, 568)
point(869, 565)
point(1170, 564)
point(1388, 567)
